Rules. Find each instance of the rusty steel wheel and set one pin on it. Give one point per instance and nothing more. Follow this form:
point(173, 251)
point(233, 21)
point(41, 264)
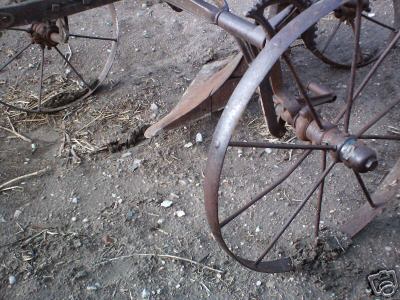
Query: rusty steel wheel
point(337, 144)
point(332, 39)
point(48, 66)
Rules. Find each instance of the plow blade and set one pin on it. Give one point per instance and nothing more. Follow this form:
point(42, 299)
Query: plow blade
point(208, 92)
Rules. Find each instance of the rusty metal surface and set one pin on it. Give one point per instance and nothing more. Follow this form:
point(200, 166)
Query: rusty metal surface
point(309, 126)
point(208, 92)
point(264, 44)
point(389, 191)
point(260, 67)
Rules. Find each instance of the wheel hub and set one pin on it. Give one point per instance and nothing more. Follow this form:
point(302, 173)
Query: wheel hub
point(348, 149)
point(45, 34)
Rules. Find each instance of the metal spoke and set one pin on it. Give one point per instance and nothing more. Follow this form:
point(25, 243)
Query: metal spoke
point(320, 197)
point(294, 215)
point(280, 146)
point(72, 67)
point(303, 91)
point(18, 29)
point(328, 42)
point(377, 118)
point(364, 189)
point(92, 37)
point(390, 137)
point(41, 79)
point(371, 73)
point(350, 90)
point(266, 191)
point(378, 22)
point(14, 57)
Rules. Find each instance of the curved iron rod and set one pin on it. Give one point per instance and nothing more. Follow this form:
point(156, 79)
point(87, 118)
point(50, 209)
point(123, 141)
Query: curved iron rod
point(266, 191)
point(377, 118)
point(72, 67)
point(41, 79)
point(320, 197)
point(280, 146)
point(92, 37)
point(18, 29)
point(364, 189)
point(370, 74)
point(14, 57)
point(328, 42)
point(294, 215)
point(389, 137)
point(303, 91)
point(378, 22)
point(354, 63)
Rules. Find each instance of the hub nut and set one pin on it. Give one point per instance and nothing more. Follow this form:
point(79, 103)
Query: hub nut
point(358, 156)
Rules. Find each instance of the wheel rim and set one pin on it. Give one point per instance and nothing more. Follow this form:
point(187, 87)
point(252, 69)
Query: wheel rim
point(73, 80)
point(222, 140)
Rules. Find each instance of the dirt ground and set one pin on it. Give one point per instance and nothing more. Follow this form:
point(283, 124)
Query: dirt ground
point(94, 225)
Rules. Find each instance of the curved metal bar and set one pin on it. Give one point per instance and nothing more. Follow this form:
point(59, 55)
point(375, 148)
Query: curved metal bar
point(260, 67)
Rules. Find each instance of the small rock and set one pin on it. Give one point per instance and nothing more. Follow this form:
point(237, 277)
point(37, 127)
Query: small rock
point(75, 200)
point(146, 34)
point(268, 150)
point(258, 229)
point(73, 219)
point(12, 280)
point(145, 294)
point(154, 107)
point(136, 164)
point(160, 221)
point(77, 243)
point(80, 275)
point(107, 240)
point(130, 215)
point(92, 287)
point(388, 249)
point(199, 138)
point(174, 196)
point(180, 213)
point(85, 220)
point(17, 213)
point(166, 203)
point(126, 154)
point(188, 145)
point(258, 283)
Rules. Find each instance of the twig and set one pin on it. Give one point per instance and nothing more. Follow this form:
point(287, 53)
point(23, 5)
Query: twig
point(161, 256)
point(22, 137)
point(38, 173)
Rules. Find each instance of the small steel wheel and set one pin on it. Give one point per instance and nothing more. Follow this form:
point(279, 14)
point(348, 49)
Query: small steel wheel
point(332, 38)
point(48, 66)
point(258, 189)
